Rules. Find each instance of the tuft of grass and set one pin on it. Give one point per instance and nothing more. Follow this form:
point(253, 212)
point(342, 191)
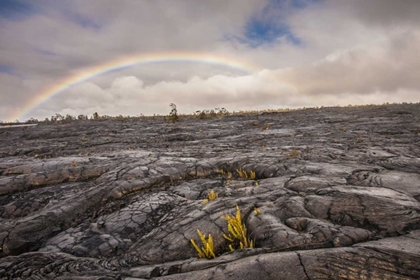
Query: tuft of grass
point(228, 174)
point(245, 175)
point(293, 153)
point(212, 195)
point(237, 232)
point(206, 250)
point(242, 173)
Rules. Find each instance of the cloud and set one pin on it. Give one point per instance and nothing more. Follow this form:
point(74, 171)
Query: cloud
point(383, 13)
point(388, 69)
point(129, 95)
point(310, 53)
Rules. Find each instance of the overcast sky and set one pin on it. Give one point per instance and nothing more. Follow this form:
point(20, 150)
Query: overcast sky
point(304, 52)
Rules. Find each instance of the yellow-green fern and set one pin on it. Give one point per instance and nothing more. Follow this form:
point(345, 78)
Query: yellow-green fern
point(206, 251)
point(213, 195)
point(242, 173)
point(237, 232)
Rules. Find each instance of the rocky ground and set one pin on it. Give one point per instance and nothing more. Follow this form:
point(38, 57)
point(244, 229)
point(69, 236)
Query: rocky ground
point(335, 196)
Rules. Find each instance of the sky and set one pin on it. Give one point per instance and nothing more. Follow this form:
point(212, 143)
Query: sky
point(246, 55)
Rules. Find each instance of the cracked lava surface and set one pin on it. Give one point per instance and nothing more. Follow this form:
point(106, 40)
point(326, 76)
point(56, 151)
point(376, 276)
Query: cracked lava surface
point(337, 189)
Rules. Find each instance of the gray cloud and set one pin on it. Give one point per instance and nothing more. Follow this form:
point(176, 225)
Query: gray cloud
point(385, 13)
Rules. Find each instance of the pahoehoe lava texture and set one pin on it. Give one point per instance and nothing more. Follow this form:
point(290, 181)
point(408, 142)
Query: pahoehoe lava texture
point(337, 189)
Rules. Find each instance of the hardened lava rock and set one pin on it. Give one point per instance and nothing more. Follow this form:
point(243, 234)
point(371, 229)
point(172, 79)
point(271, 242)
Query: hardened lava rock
point(331, 193)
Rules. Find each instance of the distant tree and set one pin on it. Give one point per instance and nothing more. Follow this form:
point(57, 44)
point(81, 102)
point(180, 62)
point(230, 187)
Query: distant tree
point(212, 114)
point(69, 118)
point(32, 120)
point(82, 117)
point(173, 115)
point(59, 117)
point(95, 116)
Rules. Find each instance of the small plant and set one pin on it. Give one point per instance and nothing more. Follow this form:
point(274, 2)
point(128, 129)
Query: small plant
point(206, 251)
point(257, 211)
point(237, 232)
point(213, 195)
point(265, 127)
point(293, 153)
point(242, 173)
point(228, 174)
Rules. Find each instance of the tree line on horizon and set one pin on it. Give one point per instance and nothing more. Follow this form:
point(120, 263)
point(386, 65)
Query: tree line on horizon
point(174, 116)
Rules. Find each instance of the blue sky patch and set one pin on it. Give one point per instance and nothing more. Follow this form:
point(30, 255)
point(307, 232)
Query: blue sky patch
point(259, 32)
point(7, 69)
point(270, 24)
point(298, 4)
point(16, 9)
point(301, 4)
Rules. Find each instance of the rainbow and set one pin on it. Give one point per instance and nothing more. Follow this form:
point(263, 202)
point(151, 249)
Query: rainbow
point(124, 62)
